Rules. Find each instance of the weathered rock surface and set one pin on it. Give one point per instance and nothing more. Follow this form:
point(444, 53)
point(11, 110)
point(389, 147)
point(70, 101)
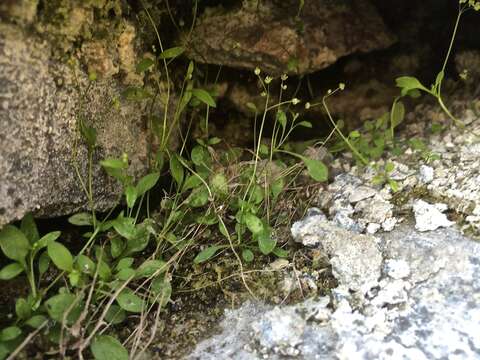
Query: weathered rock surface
point(425, 306)
point(269, 35)
point(39, 106)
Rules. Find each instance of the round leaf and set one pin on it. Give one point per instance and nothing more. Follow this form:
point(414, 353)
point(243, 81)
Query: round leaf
point(129, 301)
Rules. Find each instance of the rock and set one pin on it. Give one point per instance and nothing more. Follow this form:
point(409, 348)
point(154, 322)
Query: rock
point(361, 193)
point(429, 217)
point(269, 35)
point(280, 330)
point(426, 174)
point(425, 307)
point(40, 105)
point(340, 245)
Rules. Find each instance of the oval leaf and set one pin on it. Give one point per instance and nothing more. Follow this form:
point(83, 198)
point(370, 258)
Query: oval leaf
point(29, 228)
point(254, 224)
point(10, 271)
point(204, 97)
point(150, 267)
point(206, 254)
point(129, 301)
point(107, 347)
point(146, 183)
point(316, 169)
point(81, 219)
point(61, 257)
point(172, 52)
point(14, 244)
point(266, 243)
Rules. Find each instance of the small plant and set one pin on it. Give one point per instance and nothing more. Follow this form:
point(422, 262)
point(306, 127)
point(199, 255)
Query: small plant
point(412, 86)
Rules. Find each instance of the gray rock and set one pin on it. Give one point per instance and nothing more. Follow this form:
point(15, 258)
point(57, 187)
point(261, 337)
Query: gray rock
point(361, 193)
point(430, 217)
point(266, 34)
point(40, 142)
point(343, 247)
point(426, 174)
point(426, 307)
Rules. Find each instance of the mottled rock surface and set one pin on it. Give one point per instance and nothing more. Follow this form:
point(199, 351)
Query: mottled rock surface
point(272, 37)
point(425, 306)
point(39, 106)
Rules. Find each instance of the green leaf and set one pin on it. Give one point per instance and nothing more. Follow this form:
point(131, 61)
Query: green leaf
point(398, 114)
point(107, 347)
point(61, 256)
point(198, 198)
point(389, 167)
point(266, 243)
point(115, 315)
point(204, 97)
point(408, 83)
point(150, 267)
point(58, 305)
point(81, 219)
point(125, 274)
point(223, 229)
point(144, 65)
point(14, 244)
point(10, 333)
point(200, 155)
point(130, 196)
point(162, 290)
point(129, 301)
point(29, 228)
point(113, 164)
point(146, 183)
point(280, 252)
point(43, 263)
point(247, 255)
point(393, 185)
point(316, 169)
point(172, 52)
point(192, 182)
point(46, 239)
point(134, 93)
point(23, 309)
point(125, 227)
point(219, 184)
point(306, 124)
point(139, 241)
point(124, 263)
point(206, 254)
point(104, 271)
point(176, 169)
point(254, 224)
point(85, 264)
point(36, 321)
point(10, 271)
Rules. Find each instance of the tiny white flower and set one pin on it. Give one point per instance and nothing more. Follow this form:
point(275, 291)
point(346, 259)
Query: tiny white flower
point(257, 71)
point(307, 105)
point(295, 101)
point(268, 80)
point(341, 86)
point(284, 77)
point(284, 87)
point(263, 94)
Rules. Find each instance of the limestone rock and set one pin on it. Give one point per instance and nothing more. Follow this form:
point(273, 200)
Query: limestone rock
point(272, 37)
point(39, 106)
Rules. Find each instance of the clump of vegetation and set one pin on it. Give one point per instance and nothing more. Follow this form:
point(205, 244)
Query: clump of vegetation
point(78, 299)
